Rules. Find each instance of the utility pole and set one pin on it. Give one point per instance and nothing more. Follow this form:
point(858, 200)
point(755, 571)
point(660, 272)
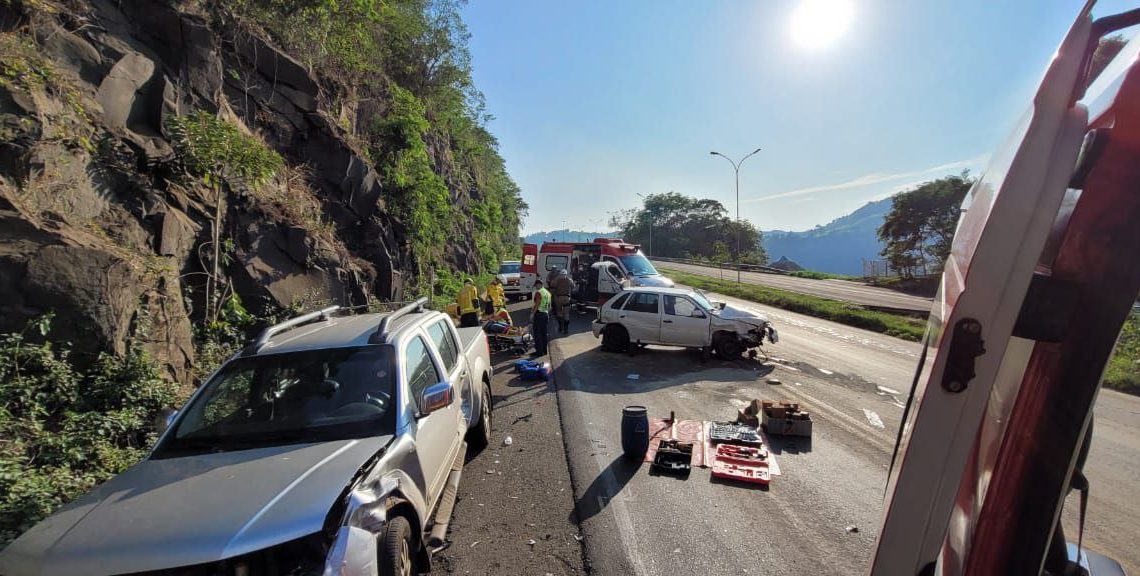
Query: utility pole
point(736, 169)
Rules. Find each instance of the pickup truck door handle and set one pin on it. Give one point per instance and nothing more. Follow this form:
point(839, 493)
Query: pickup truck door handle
point(621, 316)
point(667, 321)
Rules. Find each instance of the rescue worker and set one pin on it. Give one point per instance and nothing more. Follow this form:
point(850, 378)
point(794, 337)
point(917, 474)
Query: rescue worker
point(563, 286)
point(495, 297)
point(468, 300)
point(540, 318)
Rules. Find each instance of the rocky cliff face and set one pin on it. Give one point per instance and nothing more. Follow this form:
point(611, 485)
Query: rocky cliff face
point(96, 226)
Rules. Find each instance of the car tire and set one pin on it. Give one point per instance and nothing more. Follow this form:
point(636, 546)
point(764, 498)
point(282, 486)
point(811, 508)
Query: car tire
point(615, 339)
point(479, 437)
point(728, 347)
point(397, 549)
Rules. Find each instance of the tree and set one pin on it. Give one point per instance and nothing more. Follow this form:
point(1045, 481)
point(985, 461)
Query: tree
point(919, 229)
point(684, 227)
point(219, 154)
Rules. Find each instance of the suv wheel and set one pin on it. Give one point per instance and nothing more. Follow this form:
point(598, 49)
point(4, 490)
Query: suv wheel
point(615, 339)
point(396, 556)
point(480, 436)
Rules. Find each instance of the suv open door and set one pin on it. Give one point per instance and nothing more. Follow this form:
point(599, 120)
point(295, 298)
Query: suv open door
point(1042, 275)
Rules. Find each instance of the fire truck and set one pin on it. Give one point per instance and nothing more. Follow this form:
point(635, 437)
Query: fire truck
point(1041, 276)
point(599, 269)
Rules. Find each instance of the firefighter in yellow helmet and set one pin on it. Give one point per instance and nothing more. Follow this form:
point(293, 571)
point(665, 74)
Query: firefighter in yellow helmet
point(468, 300)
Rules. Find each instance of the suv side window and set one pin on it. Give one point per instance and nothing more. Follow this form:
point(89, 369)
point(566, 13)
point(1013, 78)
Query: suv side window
point(421, 369)
point(643, 302)
point(679, 306)
point(620, 301)
point(444, 342)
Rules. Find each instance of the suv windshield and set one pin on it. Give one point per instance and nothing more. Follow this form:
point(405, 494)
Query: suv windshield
point(509, 268)
point(289, 398)
point(638, 265)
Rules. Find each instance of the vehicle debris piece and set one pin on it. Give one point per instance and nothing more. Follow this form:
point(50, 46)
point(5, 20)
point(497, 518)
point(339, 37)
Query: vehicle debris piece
point(507, 441)
point(774, 381)
point(785, 419)
point(674, 457)
point(852, 529)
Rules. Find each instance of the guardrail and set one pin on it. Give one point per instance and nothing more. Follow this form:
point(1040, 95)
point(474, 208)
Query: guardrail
point(723, 265)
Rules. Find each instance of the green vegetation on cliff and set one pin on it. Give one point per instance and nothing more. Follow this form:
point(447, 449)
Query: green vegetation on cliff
point(403, 83)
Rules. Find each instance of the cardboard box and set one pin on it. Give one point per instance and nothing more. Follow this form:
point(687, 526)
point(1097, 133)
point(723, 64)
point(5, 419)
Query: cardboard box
point(785, 419)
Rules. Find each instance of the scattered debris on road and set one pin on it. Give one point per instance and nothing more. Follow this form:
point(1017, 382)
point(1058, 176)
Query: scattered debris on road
point(774, 381)
point(852, 529)
point(507, 441)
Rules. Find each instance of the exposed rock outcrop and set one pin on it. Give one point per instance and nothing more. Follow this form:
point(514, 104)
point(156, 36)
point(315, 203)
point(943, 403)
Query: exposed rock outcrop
point(96, 226)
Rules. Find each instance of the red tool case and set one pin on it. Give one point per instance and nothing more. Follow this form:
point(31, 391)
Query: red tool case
point(743, 463)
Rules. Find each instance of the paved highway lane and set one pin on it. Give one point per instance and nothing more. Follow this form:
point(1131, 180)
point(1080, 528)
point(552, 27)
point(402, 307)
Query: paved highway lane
point(637, 523)
point(845, 290)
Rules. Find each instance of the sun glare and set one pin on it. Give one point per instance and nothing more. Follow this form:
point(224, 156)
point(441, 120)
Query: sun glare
point(819, 23)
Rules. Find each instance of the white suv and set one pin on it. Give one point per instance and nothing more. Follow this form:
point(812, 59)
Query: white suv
point(679, 317)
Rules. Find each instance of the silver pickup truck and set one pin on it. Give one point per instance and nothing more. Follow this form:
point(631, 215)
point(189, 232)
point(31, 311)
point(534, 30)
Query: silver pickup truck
point(325, 447)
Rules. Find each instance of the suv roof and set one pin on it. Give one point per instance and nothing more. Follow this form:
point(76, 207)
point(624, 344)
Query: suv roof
point(337, 332)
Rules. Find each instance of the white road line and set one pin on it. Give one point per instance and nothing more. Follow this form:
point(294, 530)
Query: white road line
point(873, 418)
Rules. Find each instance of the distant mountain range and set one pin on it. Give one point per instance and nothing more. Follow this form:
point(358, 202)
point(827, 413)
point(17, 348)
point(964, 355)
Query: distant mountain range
point(838, 247)
point(566, 236)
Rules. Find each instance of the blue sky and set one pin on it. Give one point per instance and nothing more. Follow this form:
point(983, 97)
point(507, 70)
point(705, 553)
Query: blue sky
point(595, 102)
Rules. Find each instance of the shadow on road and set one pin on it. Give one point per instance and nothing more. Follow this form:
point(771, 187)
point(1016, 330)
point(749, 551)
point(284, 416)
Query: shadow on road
point(605, 486)
point(788, 444)
point(739, 484)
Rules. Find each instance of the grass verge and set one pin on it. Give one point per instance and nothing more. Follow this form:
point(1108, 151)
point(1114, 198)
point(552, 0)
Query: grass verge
point(1123, 372)
point(905, 327)
point(821, 275)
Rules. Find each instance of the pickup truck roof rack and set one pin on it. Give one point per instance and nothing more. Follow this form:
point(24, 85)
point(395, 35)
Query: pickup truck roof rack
point(263, 338)
point(382, 330)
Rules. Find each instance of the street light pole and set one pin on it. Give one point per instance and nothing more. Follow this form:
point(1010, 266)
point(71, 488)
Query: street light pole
point(736, 169)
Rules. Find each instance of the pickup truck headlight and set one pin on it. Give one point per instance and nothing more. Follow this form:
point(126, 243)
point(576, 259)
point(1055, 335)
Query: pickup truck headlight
point(353, 553)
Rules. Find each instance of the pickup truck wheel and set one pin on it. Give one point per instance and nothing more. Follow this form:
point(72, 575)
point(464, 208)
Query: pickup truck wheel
point(480, 436)
point(728, 347)
point(396, 557)
point(615, 339)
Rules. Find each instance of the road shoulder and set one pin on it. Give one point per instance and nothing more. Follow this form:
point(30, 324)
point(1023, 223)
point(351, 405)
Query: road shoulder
point(511, 496)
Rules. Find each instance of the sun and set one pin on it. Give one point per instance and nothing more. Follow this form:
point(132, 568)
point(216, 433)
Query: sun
point(817, 24)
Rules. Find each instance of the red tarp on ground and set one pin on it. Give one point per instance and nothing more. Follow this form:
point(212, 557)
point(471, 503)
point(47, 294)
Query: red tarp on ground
point(697, 432)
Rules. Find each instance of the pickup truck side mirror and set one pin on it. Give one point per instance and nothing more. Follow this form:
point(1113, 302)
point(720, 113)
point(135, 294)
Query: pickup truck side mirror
point(164, 419)
point(434, 397)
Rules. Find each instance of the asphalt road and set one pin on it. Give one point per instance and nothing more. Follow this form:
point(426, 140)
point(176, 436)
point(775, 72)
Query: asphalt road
point(511, 496)
point(846, 290)
point(637, 523)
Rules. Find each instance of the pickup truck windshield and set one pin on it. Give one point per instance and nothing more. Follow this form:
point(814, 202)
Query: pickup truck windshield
point(638, 265)
point(699, 298)
point(289, 398)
